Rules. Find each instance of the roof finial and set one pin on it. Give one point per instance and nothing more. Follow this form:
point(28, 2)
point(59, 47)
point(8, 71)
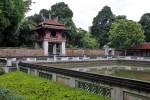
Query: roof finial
point(65, 23)
point(43, 16)
point(56, 18)
point(50, 16)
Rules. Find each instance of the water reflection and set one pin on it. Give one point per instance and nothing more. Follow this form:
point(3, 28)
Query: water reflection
point(141, 73)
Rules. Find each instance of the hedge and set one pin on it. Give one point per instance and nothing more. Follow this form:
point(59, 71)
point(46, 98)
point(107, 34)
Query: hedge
point(36, 88)
point(6, 94)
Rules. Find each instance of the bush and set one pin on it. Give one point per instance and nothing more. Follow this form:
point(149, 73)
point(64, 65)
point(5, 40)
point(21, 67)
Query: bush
point(6, 94)
point(36, 88)
point(1, 71)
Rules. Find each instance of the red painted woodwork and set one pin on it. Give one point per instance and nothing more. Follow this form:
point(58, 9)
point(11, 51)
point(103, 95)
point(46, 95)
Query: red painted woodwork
point(51, 30)
point(141, 46)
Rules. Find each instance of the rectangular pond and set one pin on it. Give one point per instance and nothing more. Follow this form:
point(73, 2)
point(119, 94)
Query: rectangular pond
point(133, 72)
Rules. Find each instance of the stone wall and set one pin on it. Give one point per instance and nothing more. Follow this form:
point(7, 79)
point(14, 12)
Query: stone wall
point(81, 52)
point(12, 52)
point(8, 52)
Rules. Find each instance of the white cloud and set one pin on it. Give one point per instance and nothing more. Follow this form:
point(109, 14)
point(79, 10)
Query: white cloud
point(85, 11)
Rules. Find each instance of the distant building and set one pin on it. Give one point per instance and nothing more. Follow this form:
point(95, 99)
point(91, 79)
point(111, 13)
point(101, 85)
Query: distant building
point(139, 50)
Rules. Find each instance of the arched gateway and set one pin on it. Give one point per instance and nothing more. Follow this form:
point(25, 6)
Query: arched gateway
point(51, 31)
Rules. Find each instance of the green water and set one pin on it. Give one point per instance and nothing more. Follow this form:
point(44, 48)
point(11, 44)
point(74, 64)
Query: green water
point(138, 73)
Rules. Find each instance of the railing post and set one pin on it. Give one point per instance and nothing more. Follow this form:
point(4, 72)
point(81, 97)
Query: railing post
point(9, 62)
point(72, 82)
point(17, 62)
point(117, 93)
point(35, 72)
point(35, 59)
point(28, 70)
point(54, 77)
point(84, 57)
point(55, 58)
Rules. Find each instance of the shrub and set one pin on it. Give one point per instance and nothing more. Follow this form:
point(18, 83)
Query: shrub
point(1, 71)
point(6, 94)
point(36, 88)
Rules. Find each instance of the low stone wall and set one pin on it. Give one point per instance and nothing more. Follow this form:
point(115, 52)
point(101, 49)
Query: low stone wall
point(12, 52)
point(81, 52)
point(8, 52)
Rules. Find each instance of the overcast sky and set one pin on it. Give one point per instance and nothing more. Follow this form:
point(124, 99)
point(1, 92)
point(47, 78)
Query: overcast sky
point(85, 10)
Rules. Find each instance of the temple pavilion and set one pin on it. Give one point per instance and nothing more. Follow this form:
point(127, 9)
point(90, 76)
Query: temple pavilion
point(53, 32)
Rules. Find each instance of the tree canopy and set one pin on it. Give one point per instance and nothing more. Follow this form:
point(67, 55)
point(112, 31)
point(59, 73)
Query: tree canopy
point(65, 15)
point(145, 22)
point(89, 42)
point(27, 4)
point(11, 15)
point(125, 33)
point(101, 25)
point(61, 10)
point(15, 30)
point(85, 39)
point(26, 37)
point(119, 17)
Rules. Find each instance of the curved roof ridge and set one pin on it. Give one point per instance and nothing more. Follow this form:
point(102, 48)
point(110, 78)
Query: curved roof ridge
point(52, 22)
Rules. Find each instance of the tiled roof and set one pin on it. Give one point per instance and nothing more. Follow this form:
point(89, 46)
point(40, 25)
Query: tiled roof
point(52, 22)
point(55, 27)
point(141, 46)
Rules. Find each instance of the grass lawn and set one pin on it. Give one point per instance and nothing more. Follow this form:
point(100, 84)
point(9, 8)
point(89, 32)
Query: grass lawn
point(36, 88)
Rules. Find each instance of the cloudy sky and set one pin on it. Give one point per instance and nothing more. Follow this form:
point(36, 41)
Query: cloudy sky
point(85, 10)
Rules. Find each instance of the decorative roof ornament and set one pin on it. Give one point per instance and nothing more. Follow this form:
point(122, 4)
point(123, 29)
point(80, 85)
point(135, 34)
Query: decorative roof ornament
point(50, 17)
point(65, 23)
point(43, 16)
point(56, 18)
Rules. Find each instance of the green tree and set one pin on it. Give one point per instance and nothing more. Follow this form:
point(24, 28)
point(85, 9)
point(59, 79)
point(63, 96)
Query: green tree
point(78, 37)
point(89, 41)
point(27, 4)
point(145, 22)
point(37, 18)
point(84, 39)
point(65, 15)
point(125, 33)
point(45, 13)
point(101, 25)
point(11, 15)
point(119, 17)
point(26, 37)
point(61, 10)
